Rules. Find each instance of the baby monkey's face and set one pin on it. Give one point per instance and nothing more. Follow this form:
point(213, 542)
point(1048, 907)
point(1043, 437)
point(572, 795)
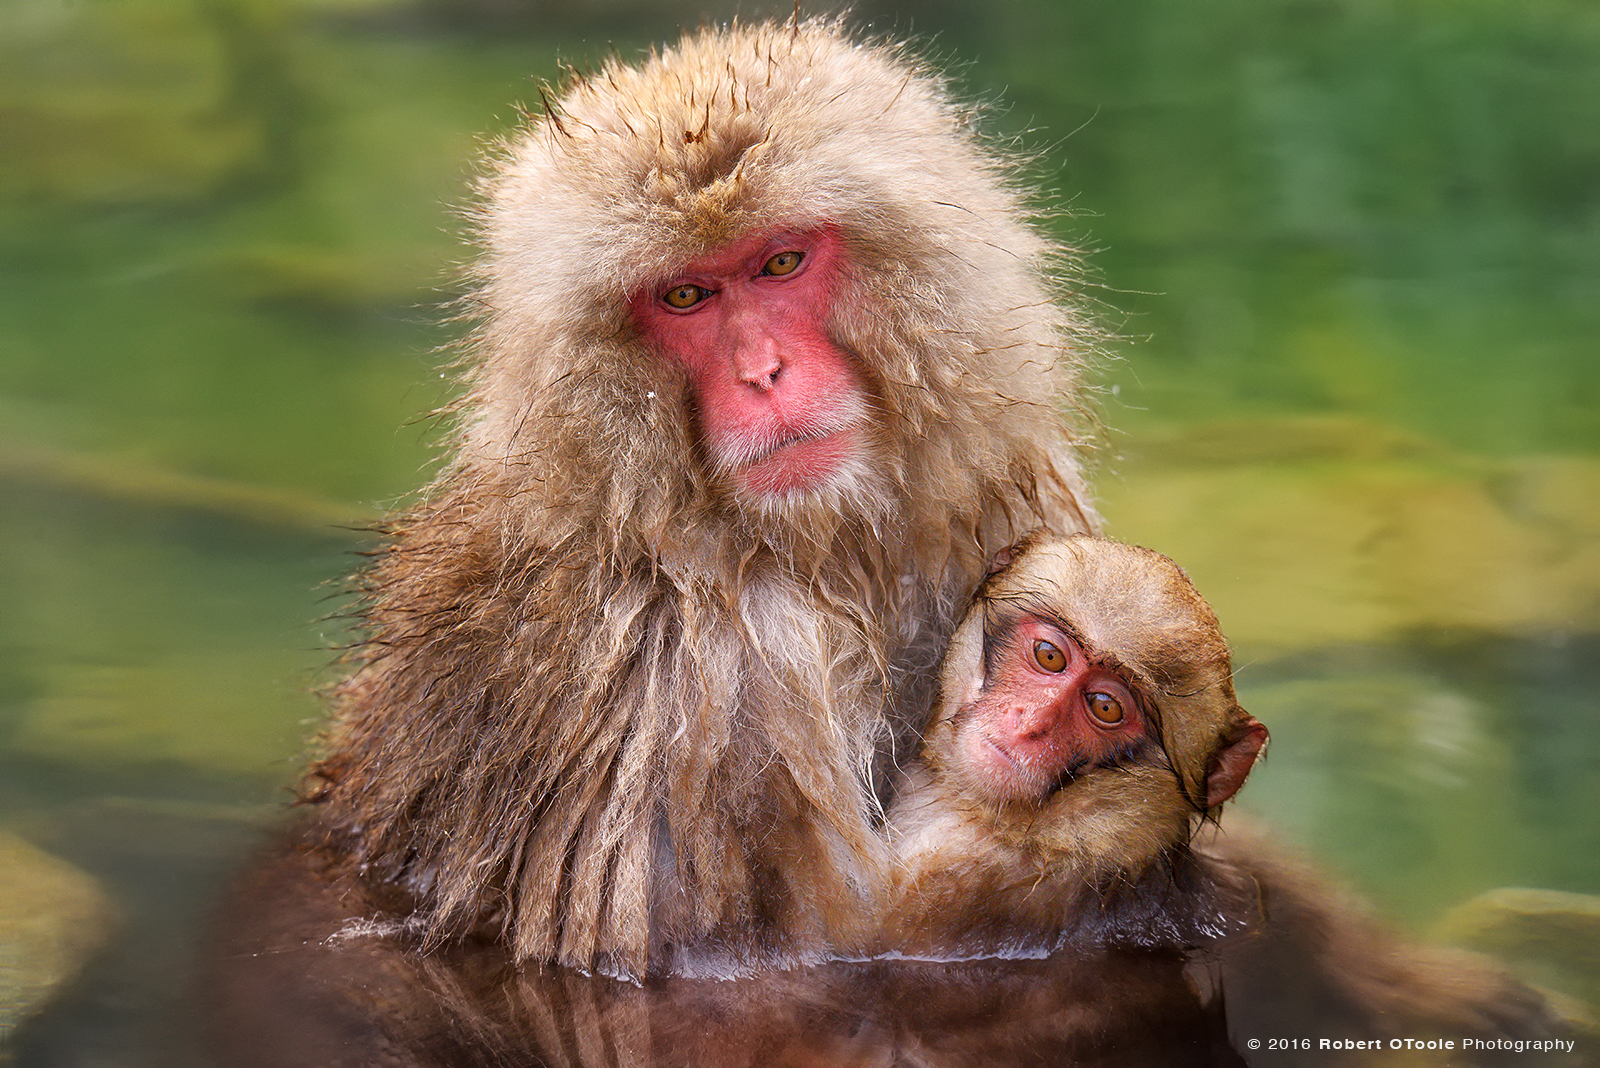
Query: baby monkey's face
point(1045, 713)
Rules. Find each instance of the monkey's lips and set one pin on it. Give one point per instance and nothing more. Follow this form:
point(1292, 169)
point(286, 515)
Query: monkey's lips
point(800, 463)
point(1012, 775)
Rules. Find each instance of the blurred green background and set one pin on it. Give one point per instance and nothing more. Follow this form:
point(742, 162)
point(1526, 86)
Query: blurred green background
point(1351, 250)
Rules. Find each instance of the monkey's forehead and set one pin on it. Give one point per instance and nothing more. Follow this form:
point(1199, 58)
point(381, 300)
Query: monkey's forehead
point(636, 169)
point(1127, 603)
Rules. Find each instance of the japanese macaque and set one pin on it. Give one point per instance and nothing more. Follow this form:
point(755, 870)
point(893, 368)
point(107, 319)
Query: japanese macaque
point(1086, 727)
point(1067, 796)
point(770, 360)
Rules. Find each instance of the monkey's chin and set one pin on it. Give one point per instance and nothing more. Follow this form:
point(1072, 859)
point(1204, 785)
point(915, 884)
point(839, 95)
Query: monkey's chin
point(801, 467)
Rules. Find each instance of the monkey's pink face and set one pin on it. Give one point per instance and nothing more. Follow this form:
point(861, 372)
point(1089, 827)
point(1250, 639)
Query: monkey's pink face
point(1045, 713)
point(780, 406)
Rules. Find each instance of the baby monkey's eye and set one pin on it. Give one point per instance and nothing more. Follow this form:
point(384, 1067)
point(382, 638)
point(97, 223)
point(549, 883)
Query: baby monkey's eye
point(1049, 656)
point(1106, 710)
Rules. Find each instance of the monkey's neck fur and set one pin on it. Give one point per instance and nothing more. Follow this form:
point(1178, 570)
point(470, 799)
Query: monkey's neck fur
point(971, 883)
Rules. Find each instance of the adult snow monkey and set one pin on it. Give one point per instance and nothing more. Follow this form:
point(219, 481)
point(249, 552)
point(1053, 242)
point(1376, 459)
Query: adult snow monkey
point(770, 359)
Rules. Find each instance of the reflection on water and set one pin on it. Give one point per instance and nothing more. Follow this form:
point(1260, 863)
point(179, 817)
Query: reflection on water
point(1356, 243)
point(302, 987)
point(1120, 1010)
point(309, 965)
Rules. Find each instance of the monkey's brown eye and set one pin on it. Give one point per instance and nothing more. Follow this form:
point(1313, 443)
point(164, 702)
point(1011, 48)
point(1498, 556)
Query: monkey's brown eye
point(1049, 656)
point(781, 264)
point(685, 296)
point(1106, 710)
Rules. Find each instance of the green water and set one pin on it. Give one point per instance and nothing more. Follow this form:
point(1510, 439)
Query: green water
point(1351, 249)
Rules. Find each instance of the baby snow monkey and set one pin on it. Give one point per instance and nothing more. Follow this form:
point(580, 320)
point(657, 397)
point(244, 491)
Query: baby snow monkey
point(1086, 726)
point(1066, 800)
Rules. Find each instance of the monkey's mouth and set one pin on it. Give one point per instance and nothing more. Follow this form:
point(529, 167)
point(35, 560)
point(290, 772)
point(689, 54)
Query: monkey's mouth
point(1021, 777)
point(799, 462)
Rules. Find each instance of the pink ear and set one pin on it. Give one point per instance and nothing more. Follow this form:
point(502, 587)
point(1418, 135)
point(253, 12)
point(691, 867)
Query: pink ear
point(1233, 763)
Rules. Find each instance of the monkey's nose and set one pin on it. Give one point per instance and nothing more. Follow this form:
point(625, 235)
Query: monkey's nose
point(1032, 723)
point(759, 364)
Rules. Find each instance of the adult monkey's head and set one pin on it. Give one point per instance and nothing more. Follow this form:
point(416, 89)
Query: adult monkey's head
point(790, 252)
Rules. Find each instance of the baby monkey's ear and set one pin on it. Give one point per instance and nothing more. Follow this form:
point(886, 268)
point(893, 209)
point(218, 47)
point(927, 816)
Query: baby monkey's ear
point(1003, 558)
point(1234, 759)
point(1000, 561)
